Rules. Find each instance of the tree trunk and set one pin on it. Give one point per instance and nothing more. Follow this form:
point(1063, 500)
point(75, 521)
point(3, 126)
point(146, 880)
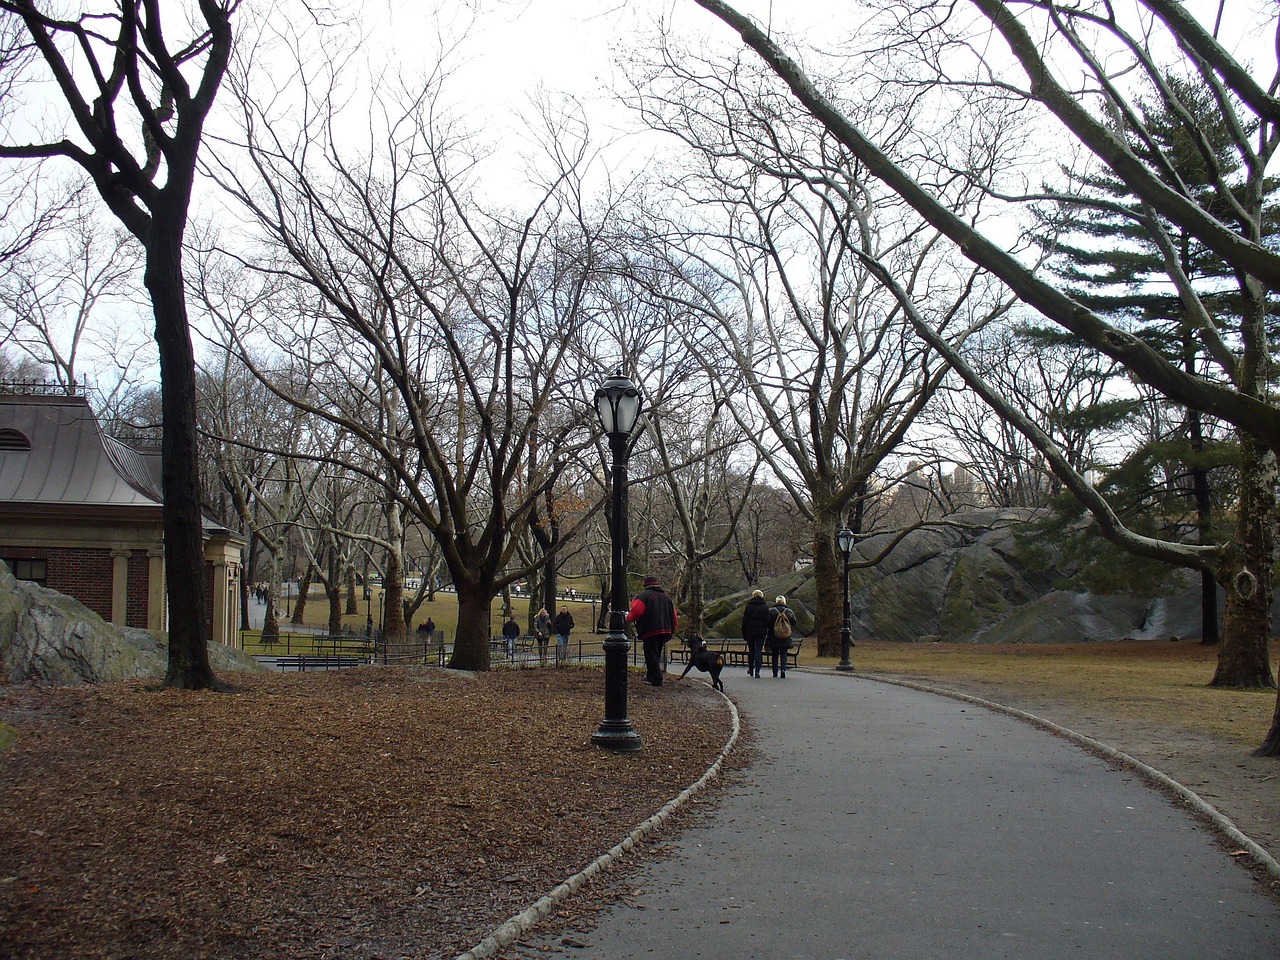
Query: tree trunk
point(394, 628)
point(248, 575)
point(1245, 574)
point(471, 645)
point(271, 616)
point(1209, 634)
point(1271, 746)
point(180, 466)
point(352, 606)
point(333, 592)
point(693, 611)
point(304, 589)
point(826, 575)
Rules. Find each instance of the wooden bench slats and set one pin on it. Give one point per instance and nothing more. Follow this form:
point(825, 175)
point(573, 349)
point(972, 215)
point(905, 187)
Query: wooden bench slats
point(734, 649)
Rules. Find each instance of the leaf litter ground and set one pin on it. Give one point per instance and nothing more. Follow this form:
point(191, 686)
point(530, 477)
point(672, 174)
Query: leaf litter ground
point(378, 812)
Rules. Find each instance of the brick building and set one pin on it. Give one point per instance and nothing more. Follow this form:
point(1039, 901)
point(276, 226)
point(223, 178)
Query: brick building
point(80, 512)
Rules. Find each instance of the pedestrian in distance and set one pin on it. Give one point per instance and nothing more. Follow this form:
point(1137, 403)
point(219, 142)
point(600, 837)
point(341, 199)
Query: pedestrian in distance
point(542, 628)
point(563, 624)
point(755, 630)
point(656, 620)
point(782, 623)
point(510, 632)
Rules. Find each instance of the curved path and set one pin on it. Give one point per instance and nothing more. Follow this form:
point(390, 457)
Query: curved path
point(885, 822)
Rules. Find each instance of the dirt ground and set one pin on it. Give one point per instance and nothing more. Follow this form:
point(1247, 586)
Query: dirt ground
point(381, 812)
point(405, 812)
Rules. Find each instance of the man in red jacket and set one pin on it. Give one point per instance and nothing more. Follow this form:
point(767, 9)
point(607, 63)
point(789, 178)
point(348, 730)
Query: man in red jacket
point(656, 620)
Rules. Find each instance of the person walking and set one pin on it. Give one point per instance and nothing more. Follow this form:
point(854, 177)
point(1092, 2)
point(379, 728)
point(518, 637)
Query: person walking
point(656, 620)
point(510, 632)
point(782, 623)
point(564, 624)
point(755, 630)
point(542, 628)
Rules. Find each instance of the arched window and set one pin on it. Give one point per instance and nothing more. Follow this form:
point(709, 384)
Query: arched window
point(13, 440)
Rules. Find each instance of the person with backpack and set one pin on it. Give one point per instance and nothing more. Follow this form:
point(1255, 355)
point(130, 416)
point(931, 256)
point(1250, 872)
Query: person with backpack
point(782, 623)
point(755, 631)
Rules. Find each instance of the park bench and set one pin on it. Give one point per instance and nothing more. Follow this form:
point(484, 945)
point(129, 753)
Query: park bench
point(303, 662)
point(734, 650)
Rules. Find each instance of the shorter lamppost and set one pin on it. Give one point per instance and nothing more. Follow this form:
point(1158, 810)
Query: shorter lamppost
point(618, 404)
point(845, 540)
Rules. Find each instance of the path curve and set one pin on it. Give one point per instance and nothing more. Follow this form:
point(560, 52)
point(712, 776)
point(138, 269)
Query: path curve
point(516, 927)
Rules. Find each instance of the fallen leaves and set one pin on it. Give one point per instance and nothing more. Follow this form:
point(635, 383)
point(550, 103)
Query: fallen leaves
point(383, 812)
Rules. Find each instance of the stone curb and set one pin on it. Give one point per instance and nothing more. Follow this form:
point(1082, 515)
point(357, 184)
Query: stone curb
point(519, 925)
point(1217, 820)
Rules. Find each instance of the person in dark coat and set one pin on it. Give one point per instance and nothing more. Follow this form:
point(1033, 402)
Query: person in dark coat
point(755, 630)
point(778, 647)
point(563, 624)
point(656, 620)
point(510, 633)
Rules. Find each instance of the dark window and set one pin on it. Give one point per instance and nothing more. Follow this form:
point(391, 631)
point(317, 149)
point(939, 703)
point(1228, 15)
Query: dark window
point(37, 571)
point(13, 440)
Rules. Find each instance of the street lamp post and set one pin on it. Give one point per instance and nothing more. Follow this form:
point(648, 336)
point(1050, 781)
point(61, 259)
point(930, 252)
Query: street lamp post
point(618, 405)
point(845, 540)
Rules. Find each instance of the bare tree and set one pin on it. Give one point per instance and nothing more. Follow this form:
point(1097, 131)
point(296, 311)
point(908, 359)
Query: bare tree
point(831, 381)
point(52, 290)
point(440, 333)
point(108, 67)
point(1106, 123)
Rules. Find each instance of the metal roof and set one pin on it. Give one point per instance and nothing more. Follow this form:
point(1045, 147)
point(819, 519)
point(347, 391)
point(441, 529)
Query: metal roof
point(70, 461)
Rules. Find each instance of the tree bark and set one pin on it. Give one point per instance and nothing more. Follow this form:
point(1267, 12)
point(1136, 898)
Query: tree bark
point(471, 645)
point(1245, 574)
point(394, 629)
point(826, 573)
point(1271, 746)
point(304, 588)
point(183, 517)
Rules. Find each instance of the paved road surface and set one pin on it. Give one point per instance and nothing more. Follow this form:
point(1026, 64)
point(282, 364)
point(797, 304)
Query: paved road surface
point(892, 824)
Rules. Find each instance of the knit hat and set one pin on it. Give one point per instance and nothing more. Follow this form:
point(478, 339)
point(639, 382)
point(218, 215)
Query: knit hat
point(652, 582)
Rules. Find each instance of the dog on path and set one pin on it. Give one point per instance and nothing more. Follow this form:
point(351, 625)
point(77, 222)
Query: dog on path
point(705, 660)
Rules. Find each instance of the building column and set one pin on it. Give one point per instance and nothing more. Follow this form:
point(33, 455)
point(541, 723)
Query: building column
point(220, 570)
point(156, 619)
point(120, 587)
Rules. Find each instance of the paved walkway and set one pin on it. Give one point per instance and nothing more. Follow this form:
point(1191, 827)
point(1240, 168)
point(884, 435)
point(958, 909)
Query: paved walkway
point(892, 824)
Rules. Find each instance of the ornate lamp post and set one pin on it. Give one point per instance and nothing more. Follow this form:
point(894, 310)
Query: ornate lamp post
point(618, 404)
point(845, 541)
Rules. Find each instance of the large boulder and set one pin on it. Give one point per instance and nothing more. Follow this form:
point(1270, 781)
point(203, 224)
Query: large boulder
point(50, 637)
point(967, 581)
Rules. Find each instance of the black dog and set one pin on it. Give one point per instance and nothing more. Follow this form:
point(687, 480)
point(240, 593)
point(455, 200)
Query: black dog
point(704, 660)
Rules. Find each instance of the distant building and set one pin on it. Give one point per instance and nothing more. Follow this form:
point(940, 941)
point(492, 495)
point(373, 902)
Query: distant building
point(81, 513)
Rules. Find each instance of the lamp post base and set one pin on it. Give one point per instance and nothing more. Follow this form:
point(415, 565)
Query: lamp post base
point(617, 735)
point(846, 641)
point(616, 731)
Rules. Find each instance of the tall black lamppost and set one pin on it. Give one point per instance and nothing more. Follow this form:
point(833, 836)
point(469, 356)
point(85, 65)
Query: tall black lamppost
point(845, 540)
point(618, 404)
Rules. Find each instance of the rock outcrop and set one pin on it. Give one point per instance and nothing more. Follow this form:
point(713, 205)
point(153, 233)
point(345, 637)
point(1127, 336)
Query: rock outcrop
point(966, 581)
point(50, 637)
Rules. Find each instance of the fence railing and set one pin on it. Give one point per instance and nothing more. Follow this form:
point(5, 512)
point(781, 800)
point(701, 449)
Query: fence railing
point(308, 651)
